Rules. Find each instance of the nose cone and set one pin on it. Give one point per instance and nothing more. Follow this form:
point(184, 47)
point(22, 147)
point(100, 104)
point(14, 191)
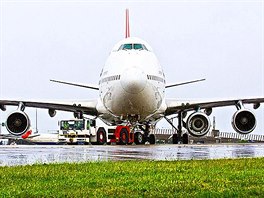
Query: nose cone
point(133, 80)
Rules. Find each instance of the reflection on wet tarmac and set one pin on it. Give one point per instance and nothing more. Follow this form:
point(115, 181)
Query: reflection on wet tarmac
point(22, 154)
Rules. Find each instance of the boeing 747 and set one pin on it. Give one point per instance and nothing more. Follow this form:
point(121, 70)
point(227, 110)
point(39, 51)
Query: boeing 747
point(131, 92)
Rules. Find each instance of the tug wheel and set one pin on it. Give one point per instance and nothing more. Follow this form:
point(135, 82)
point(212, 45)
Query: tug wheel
point(101, 136)
point(123, 139)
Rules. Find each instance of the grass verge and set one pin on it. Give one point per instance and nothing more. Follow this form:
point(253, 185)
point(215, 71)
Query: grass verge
point(205, 178)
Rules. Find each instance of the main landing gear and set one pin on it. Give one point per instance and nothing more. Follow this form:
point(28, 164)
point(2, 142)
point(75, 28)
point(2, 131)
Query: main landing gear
point(142, 138)
point(179, 138)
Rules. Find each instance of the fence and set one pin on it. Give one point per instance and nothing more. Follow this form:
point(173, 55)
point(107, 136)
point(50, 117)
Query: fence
point(255, 137)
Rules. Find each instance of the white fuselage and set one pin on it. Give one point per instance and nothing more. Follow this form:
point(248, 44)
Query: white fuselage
point(132, 83)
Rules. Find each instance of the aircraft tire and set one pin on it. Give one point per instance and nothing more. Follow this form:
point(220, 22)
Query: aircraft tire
point(175, 139)
point(139, 138)
point(185, 138)
point(152, 139)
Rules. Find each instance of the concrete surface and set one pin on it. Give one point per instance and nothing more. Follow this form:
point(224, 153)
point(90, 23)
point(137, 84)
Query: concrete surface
point(12, 155)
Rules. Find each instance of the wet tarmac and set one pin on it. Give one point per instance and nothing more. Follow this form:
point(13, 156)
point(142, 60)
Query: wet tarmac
point(24, 154)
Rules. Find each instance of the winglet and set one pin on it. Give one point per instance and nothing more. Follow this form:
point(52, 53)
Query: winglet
point(127, 24)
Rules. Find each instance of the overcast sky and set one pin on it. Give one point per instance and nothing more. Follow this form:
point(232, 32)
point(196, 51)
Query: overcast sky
point(221, 41)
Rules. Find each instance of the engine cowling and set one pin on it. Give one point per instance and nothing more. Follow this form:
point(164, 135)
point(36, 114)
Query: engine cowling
point(244, 121)
point(17, 123)
point(198, 124)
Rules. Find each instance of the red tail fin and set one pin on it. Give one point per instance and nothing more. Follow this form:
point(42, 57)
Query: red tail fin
point(127, 24)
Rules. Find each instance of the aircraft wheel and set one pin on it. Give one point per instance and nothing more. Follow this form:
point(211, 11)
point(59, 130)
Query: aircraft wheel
point(152, 139)
point(175, 139)
point(101, 136)
point(123, 139)
point(139, 138)
point(185, 138)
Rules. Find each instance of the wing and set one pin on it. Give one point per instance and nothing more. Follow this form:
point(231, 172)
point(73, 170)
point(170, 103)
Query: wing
point(198, 123)
point(174, 106)
point(87, 107)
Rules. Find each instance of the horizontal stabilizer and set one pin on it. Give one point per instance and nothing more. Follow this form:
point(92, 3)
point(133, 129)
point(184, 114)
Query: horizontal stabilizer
point(183, 83)
point(89, 86)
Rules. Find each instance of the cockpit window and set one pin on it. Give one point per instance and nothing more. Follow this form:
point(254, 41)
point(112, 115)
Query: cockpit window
point(127, 47)
point(135, 46)
point(138, 47)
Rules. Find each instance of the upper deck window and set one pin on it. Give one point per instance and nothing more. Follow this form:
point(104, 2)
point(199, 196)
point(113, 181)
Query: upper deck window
point(135, 46)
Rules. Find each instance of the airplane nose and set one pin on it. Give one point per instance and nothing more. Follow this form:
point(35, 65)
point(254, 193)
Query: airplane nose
point(133, 80)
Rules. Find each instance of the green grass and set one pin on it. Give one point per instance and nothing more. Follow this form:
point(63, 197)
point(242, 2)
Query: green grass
point(205, 178)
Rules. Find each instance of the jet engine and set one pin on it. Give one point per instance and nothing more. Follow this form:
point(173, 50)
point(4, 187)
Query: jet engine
point(198, 124)
point(244, 121)
point(17, 123)
point(52, 112)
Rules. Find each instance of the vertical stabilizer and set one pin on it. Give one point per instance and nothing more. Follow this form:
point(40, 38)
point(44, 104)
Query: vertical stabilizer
point(127, 24)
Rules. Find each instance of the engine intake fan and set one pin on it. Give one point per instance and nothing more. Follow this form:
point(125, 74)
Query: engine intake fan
point(244, 121)
point(17, 123)
point(198, 124)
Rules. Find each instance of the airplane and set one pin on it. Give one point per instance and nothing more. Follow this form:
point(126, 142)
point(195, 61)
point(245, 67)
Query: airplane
point(43, 139)
point(131, 91)
point(27, 136)
point(34, 138)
